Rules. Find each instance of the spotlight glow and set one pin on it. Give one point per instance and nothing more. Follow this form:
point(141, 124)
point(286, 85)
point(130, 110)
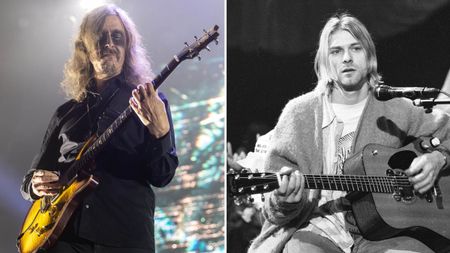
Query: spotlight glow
point(88, 5)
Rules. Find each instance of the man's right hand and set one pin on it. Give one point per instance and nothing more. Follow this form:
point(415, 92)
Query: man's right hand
point(291, 186)
point(45, 183)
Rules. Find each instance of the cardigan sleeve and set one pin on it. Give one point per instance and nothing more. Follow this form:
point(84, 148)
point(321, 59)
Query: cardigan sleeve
point(434, 124)
point(296, 143)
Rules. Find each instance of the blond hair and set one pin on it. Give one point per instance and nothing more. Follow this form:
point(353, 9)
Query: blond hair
point(352, 25)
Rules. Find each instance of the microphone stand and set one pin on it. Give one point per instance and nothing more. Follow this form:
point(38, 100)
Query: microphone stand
point(428, 104)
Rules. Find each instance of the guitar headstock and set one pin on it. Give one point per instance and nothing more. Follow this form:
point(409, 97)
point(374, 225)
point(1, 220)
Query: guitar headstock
point(192, 50)
point(244, 183)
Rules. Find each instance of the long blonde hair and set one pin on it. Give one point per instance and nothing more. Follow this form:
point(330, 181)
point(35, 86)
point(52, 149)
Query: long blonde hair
point(78, 70)
point(352, 25)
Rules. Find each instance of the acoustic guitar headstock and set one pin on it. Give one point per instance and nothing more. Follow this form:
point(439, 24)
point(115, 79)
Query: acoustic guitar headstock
point(242, 185)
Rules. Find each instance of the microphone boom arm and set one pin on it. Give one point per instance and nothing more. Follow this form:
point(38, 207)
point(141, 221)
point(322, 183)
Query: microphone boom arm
point(428, 104)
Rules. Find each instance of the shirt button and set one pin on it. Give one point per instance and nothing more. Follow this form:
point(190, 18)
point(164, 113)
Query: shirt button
point(87, 206)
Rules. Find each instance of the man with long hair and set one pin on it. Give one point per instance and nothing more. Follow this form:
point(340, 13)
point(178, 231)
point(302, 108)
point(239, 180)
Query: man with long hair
point(108, 66)
point(318, 131)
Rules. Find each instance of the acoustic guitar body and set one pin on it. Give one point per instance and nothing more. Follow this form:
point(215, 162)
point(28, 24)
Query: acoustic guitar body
point(379, 216)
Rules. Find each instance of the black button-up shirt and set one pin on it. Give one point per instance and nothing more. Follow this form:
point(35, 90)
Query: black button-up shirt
point(119, 212)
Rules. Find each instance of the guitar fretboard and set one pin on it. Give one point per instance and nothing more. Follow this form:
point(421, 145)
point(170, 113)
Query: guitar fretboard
point(251, 183)
point(363, 183)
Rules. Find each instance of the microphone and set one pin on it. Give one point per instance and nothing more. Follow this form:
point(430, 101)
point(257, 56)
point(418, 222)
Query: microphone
point(384, 92)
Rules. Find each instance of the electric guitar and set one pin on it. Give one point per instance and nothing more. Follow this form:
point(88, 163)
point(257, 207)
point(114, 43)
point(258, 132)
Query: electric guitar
point(48, 216)
point(383, 200)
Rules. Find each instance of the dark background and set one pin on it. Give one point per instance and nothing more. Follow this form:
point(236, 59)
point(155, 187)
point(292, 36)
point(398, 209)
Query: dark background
point(271, 49)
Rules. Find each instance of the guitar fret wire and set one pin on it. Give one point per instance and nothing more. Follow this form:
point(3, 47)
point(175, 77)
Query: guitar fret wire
point(360, 178)
point(367, 183)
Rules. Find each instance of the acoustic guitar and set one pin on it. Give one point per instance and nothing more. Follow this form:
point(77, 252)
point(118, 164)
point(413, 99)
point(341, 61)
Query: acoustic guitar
point(48, 216)
point(383, 200)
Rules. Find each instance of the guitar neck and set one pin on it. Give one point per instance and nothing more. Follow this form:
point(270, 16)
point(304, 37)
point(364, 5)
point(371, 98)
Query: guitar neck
point(362, 183)
point(252, 183)
point(88, 156)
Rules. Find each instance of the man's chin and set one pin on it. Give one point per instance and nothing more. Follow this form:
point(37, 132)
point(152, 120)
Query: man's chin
point(107, 75)
point(348, 85)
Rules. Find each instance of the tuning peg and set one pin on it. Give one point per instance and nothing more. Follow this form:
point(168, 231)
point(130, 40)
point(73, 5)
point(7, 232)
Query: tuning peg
point(204, 30)
point(231, 171)
point(217, 41)
point(199, 58)
point(208, 49)
point(186, 44)
point(250, 199)
point(237, 176)
point(263, 197)
point(195, 37)
point(253, 188)
point(250, 176)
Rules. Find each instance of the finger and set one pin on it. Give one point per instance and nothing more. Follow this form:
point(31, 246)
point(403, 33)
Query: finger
point(418, 177)
point(137, 97)
point(283, 185)
point(136, 106)
point(45, 178)
point(296, 175)
point(151, 89)
point(142, 91)
point(38, 173)
point(286, 170)
point(47, 193)
point(425, 183)
point(298, 194)
point(47, 186)
point(39, 180)
point(425, 188)
point(415, 166)
point(291, 185)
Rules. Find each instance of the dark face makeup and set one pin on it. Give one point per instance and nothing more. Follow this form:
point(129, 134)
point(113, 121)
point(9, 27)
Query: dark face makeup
point(109, 56)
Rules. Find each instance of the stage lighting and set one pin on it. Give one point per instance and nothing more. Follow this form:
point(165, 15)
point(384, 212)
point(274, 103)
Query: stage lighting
point(88, 5)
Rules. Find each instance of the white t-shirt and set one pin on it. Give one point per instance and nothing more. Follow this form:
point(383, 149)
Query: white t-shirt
point(349, 114)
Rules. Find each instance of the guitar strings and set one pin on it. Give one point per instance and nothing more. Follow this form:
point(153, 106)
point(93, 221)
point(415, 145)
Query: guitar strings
point(350, 181)
point(351, 187)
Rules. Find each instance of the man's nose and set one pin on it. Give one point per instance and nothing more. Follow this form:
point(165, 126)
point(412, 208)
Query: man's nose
point(108, 40)
point(347, 57)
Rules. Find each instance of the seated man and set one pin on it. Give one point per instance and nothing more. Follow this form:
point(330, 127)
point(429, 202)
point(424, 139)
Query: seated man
point(318, 131)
